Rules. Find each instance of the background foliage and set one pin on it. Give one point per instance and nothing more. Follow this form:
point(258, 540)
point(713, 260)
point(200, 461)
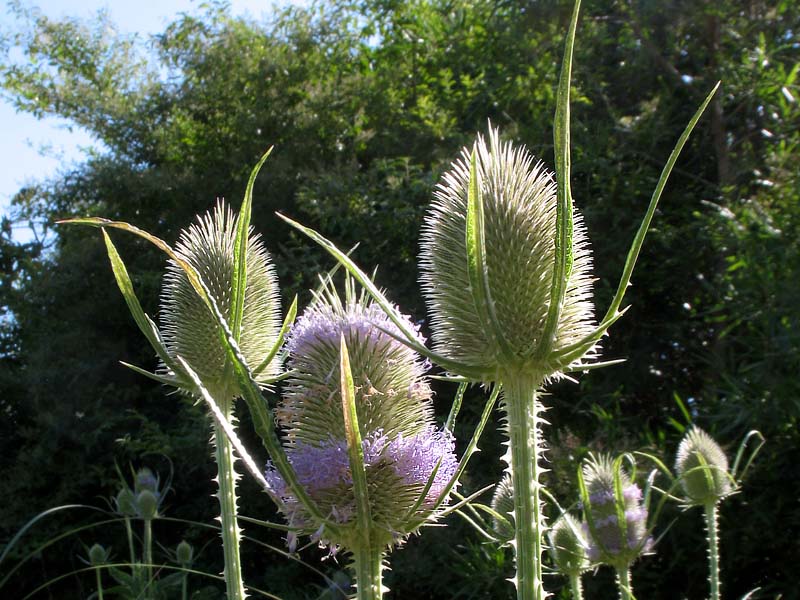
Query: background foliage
point(366, 103)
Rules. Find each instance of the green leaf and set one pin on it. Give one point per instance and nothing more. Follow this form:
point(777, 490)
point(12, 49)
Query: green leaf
point(125, 285)
point(219, 417)
point(451, 418)
point(564, 225)
point(409, 337)
point(240, 251)
point(476, 261)
point(291, 315)
point(638, 240)
point(191, 273)
point(355, 450)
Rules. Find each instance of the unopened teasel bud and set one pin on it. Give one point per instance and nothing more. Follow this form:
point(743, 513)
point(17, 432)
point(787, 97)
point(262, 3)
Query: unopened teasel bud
point(703, 468)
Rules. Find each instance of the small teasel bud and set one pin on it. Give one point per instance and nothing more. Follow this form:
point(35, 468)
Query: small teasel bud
point(147, 504)
point(146, 480)
point(184, 553)
point(518, 198)
point(98, 555)
point(611, 540)
point(503, 505)
point(568, 545)
point(190, 330)
point(702, 468)
point(126, 502)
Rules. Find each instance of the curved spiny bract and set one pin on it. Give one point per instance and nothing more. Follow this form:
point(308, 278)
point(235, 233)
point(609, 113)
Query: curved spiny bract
point(189, 328)
point(518, 197)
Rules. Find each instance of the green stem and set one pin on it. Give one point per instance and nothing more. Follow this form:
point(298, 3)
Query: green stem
point(576, 586)
point(368, 566)
point(131, 550)
point(185, 587)
point(226, 476)
point(148, 550)
point(624, 582)
point(99, 584)
point(713, 549)
point(522, 409)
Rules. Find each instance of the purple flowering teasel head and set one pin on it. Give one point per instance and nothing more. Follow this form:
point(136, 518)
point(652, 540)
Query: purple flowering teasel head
point(392, 394)
point(616, 520)
point(403, 451)
point(518, 200)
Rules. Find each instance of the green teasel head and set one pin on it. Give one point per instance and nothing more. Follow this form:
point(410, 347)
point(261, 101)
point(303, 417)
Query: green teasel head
point(489, 251)
point(568, 545)
point(503, 505)
point(702, 468)
point(190, 330)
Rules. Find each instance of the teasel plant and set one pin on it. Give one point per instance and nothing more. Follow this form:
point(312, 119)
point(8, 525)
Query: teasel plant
point(357, 472)
point(506, 271)
point(218, 271)
point(706, 478)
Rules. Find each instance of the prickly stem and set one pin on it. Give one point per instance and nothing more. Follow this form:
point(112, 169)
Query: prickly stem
point(368, 567)
point(713, 549)
point(524, 439)
point(624, 582)
point(231, 536)
point(576, 586)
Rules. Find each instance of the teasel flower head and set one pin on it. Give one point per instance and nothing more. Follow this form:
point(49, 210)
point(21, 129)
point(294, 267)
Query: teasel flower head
point(408, 461)
point(190, 330)
point(702, 469)
point(616, 519)
point(392, 393)
point(490, 309)
point(568, 545)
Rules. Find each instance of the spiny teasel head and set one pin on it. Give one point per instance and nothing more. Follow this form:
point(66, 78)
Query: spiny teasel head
point(616, 519)
point(518, 199)
point(402, 448)
point(190, 330)
point(392, 394)
point(397, 472)
point(568, 545)
point(702, 468)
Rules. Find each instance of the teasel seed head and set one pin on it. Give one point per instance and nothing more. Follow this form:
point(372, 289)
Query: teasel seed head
point(189, 328)
point(702, 468)
point(518, 199)
point(568, 545)
point(503, 504)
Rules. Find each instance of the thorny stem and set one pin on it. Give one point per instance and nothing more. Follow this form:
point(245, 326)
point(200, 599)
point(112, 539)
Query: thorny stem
point(148, 550)
point(226, 476)
point(131, 549)
point(368, 566)
point(713, 549)
point(624, 582)
point(99, 584)
point(522, 410)
point(576, 586)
